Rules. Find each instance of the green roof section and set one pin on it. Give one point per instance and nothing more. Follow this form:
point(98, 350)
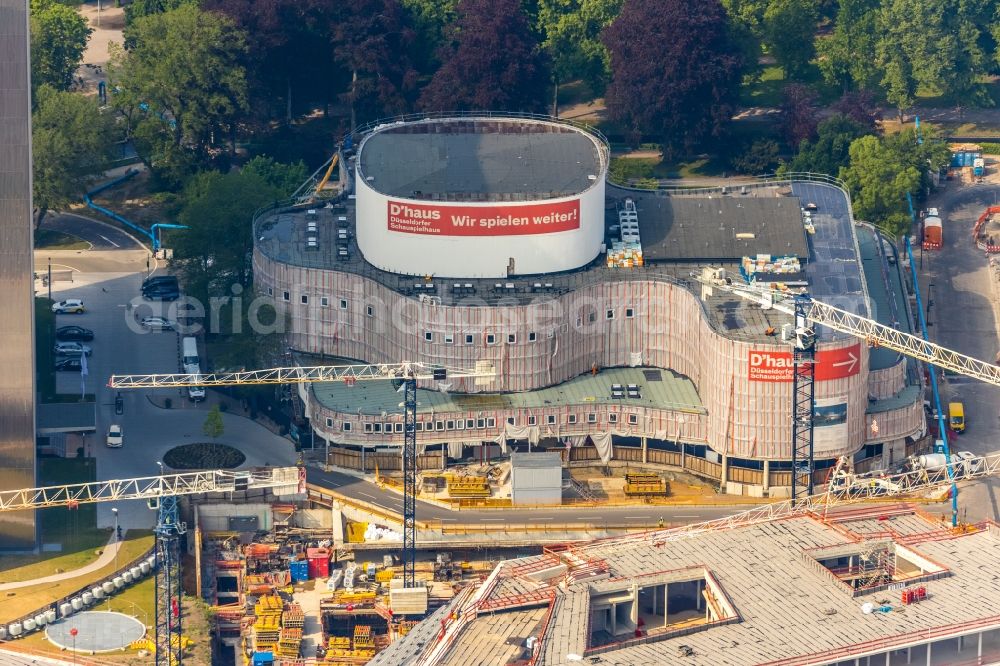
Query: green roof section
point(660, 389)
point(909, 395)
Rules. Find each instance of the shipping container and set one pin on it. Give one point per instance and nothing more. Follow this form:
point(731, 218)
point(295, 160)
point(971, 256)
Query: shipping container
point(933, 233)
point(319, 562)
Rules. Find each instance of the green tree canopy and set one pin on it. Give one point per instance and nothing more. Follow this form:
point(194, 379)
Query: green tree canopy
point(830, 150)
point(72, 141)
point(572, 30)
point(284, 178)
point(58, 39)
point(883, 170)
point(790, 28)
point(184, 72)
point(213, 426)
point(846, 56)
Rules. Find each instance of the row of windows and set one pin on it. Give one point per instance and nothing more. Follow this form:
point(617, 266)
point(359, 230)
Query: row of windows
point(473, 424)
point(448, 338)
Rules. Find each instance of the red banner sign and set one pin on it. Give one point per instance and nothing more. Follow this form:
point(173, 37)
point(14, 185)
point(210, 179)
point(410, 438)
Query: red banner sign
point(777, 366)
point(509, 220)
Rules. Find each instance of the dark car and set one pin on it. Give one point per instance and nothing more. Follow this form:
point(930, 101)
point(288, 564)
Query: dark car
point(68, 365)
point(74, 333)
point(161, 295)
point(159, 281)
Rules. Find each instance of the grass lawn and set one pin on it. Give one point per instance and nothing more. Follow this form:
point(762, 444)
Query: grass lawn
point(766, 91)
point(55, 240)
point(24, 600)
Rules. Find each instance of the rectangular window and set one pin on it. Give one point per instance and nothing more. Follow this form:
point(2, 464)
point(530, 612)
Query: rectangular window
point(428, 336)
point(343, 304)
point(398, 427)
point(592, 417)
point(450, 425)
point(532, 336)
point(449, 339)
point(511, 420)
point(329, 422)
point(304, 299)
point(629, 313)
point(368, 427)
point(270, 291)
point(571, 418)
point(440, 425)
point(550, 419)
point(386, 427)
point(532, 420)
point(470, 424)
point(480, 423)
point(469, 339)
point(612, 418)
point(609, 314)
point(491, 422)
point(377, 427)
point(419, 427)
point(491, 339)
point(285, 295)
point(592, 317)
point(346, 427)
point(324, 301)
point(370, 311)
point(512, 338)
point(633, 419)
point(460, 424)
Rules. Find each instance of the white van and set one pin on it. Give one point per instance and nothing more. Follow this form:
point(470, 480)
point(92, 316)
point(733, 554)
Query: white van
point(189, 353)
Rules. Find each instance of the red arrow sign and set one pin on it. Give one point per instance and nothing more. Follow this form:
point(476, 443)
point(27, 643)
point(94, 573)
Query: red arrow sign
point(776, 366)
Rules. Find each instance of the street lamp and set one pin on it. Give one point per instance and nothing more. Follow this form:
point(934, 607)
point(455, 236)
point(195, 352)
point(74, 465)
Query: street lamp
point(73, 632)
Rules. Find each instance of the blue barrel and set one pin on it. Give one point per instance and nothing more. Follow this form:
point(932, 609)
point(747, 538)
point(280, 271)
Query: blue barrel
point(299, 570)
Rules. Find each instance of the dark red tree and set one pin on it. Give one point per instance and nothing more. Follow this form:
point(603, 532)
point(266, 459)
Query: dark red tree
point(798, 114)
point(491, 60)
point(861, 107)
point(675, 70)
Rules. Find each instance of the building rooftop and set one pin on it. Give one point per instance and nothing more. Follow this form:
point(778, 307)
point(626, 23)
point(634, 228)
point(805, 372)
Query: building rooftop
point(717, 228)
point(481, 160)
point(657, 388)
point(786, 591)
point(832, 268)
point(535, 460)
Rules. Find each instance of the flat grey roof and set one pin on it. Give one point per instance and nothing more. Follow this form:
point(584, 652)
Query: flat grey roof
point(480, 160)
point(535, 460)
point(705, 228)
point(66, 417)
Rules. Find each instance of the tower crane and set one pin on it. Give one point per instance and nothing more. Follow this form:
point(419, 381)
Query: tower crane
point(161, 492)
point(809, 313)
point(409, 373)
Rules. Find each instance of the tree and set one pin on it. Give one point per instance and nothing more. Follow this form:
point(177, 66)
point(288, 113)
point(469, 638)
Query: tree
point(798, 113)
point(883, 170)
point(760, 157)
point(212, 254)
point(213, 426)
point(675, 72)
point(284, 178)
point(572, 30)
point(185, 72)
point(492, 61)
point(58, 39)
point(790, 28)
point(429, 19)
point(861, 107)
point(72, 141)
point(830, 151)
point(371, 42)
point(845, 55)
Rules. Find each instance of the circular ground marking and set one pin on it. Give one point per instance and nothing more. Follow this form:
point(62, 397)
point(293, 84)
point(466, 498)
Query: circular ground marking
point(204, 455)
point(96, 631)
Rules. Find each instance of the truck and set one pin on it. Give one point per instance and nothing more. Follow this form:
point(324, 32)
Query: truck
point(979, 167)
point(191, 364)
point(933, 233)
point(932, 462)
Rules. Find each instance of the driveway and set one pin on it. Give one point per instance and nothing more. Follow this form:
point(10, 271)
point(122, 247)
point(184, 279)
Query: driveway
point(101, 235)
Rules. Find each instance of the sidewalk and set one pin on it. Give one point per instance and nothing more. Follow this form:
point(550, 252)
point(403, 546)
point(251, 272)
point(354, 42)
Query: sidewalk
point(106, 558)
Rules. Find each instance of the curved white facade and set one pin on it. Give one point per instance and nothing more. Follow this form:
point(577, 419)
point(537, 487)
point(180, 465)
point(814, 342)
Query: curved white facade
point(506, 234)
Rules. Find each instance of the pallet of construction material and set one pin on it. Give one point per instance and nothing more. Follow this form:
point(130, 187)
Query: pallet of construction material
point(407, 601)
point(292, 617)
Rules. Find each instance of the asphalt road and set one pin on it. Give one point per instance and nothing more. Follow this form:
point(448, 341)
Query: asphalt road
point(101, 235)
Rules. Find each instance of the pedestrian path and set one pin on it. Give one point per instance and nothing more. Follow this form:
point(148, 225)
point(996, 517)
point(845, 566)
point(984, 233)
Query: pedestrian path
point(106, 558)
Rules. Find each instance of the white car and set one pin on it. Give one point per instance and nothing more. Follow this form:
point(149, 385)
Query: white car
point(971, 461)
point(115, 437)
point(157, 323)
point(69, 306)
point(71, 349)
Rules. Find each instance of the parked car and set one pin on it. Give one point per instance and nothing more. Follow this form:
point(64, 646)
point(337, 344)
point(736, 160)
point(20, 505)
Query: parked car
point(157, 324)
point(115, 437)
point(78, 333)
point(811, 207)
point(68, 365)
point(71, 349)
point(69, 306)
point(149, 283)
